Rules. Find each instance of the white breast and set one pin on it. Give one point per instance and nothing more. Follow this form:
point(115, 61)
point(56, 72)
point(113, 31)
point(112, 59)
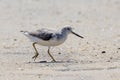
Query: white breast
point(51, 42)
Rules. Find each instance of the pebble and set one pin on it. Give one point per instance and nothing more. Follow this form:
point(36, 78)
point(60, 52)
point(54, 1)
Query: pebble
point(103, 51)
point(15, 39)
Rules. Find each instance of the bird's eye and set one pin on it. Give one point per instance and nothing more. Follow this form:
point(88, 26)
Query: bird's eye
point(68, 28)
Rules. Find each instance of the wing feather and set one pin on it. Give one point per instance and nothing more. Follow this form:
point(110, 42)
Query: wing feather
point(42, 34)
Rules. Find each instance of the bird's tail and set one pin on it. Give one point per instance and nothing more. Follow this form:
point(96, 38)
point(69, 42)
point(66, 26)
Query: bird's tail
point(24, 32)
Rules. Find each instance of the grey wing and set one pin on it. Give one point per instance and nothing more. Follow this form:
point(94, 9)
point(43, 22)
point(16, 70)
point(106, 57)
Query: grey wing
point(46, 30)
point(44, 35)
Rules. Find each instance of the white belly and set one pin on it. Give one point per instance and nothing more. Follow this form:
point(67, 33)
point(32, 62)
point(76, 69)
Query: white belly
point(52, 42)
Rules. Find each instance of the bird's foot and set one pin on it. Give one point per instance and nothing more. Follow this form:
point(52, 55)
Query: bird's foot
point(34, 57)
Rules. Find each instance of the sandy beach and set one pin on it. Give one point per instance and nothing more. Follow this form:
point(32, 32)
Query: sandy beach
point(96, 57)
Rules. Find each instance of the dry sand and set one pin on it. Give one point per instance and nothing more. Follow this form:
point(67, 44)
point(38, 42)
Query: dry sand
point(96, 57)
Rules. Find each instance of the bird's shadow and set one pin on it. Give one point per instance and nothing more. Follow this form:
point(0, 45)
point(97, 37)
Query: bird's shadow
point(53, 62)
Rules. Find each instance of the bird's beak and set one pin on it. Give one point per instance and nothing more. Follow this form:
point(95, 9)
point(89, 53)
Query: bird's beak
point(76, 34)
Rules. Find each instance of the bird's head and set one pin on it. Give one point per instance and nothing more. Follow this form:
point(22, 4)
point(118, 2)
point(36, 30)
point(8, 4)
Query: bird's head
point(70, 30)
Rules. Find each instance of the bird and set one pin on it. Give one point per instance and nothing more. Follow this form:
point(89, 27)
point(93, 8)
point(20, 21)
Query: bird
point(49, 38)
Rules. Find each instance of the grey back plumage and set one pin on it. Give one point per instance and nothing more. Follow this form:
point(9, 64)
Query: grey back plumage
point(42, 34)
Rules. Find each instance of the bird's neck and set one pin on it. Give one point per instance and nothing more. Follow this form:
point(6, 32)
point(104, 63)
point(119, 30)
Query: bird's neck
point(64, 33)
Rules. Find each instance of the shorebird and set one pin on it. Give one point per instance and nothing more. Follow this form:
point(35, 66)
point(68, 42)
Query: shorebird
point(49, 38)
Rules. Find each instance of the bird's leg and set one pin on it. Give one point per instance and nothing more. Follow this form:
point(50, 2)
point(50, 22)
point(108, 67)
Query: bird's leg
point(50, 54)
point(36, 52)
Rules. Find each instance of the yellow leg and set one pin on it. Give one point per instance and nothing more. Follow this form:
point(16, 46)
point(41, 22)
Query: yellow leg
point(51, 55)
point(36, 52)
